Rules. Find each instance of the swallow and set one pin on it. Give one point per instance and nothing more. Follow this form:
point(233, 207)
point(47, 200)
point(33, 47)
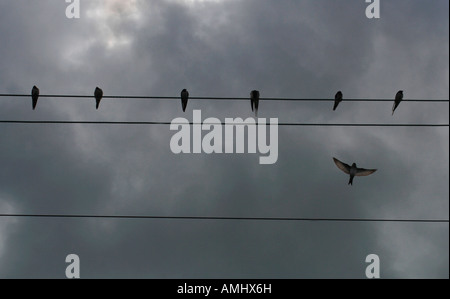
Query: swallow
point(337, 99)
point(98, 93)
point(398, 99)
point(254, 101)
point(352, 170)
point(184, 99)
point(34, 96)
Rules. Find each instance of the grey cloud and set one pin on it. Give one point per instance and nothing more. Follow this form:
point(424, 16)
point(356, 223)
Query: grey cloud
point(284, 49)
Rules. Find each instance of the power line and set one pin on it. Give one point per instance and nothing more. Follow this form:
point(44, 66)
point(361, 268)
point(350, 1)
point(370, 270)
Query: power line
point(221, 98)
point(227, 218)
point(221, 123)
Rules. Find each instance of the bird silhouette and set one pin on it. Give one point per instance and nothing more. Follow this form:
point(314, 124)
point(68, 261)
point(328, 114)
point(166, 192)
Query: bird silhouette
point(398, 99)
point(352, 170)
point(337, 99)
point(98, 93)
point(34, 96)
point(254, 101)
point(184, 99)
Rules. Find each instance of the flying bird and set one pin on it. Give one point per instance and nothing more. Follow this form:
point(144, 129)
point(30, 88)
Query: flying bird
point(34, 96)
point(184, 99)
point(352, 170)
point(98, 96)
point(254, 100)
point(398, 99)
point(337, 99)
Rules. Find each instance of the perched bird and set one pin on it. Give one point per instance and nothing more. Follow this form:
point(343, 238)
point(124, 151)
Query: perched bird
point(184, 99)
point(337, 99)
point(34, 96)
point(254, 100)
point(352, 170)
point(98, 93)
point(398, 99)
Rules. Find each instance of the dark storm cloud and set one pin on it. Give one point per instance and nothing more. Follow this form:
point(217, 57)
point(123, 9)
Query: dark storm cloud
point(243, 41)
point(286, 49)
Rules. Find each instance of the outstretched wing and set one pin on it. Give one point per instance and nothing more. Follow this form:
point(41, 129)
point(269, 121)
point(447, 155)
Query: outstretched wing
point(364, 172)
point(342, 166)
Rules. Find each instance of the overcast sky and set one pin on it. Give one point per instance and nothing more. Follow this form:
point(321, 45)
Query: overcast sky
point(223, 48)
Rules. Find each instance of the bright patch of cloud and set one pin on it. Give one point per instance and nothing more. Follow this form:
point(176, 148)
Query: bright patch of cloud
point(112, 18)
